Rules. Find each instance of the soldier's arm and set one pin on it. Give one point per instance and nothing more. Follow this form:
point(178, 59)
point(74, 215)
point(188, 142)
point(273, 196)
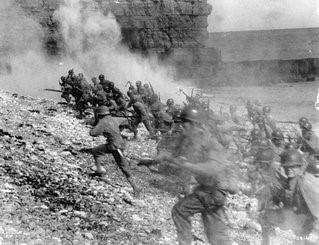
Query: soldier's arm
point(97, 130)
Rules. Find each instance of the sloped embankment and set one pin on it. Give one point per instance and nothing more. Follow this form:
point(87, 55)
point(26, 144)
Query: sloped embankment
point(46, 196)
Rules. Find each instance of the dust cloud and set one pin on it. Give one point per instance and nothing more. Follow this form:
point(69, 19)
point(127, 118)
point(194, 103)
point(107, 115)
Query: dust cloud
point(92, 42)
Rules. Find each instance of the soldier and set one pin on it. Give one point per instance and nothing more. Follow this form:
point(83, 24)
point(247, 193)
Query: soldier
point(235, 116)
point(115, 145)
point(141, 114)
point(71, 76)
point(195, 150)
point(277, 143)
point(149, 91)
point(293, 201)
point(66, 87)
point(268, 118)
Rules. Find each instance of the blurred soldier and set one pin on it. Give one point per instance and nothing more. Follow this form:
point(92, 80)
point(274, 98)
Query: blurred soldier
point(149, 91)
point(235, 117)
point(115, 145)
point(268, 118)
point(66, 87)
point(141, 114)
point(71, 76)
point(195, 151)
point(277, 143)
point(293, 201)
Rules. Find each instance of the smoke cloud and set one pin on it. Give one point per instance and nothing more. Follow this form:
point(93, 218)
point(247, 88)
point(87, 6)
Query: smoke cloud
point(92, 44)
point(240, 15)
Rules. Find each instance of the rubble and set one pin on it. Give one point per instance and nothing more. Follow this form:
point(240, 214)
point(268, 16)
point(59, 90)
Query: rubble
point(46, 196)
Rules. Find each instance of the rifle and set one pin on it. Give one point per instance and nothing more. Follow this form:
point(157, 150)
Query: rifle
point(128, 82)
point(53, 90)
point(151, 87)
point(292, 122)
point(187, 96)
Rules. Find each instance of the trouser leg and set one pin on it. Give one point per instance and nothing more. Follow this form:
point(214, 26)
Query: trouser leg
point(183, 210)
point(98, 153)
point(215, 227)
point(148, 126)
point(123, 165)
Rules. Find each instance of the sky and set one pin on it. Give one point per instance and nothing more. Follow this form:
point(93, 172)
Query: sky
point(241, 15)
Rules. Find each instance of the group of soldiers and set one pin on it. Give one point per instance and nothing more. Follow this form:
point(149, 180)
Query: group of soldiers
point(199, 145)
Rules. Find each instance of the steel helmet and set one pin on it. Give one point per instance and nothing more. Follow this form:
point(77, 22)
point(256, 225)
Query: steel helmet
point(138, 83)
point(146, 85)
point(291, 146)
point(71, 72)
point(111, 85)
point(290, 158)
point(102, 110)
point(266, 109)
point(265, 156)
point(277, 134)
point(191, 114)
point(255, 133)
point(232, 108)
point(307, 126)
point(263, 144)
point(303, 120)
point(170, 102)
point(101, 77)
point(260, 119)
point(63, 78)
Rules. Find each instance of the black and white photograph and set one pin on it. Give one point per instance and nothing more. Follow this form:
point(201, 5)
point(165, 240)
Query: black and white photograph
point(159, 122)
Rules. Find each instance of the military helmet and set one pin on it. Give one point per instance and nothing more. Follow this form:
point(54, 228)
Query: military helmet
point(303, 120)
point(263, 144)
point(111, 85)
point(102, 110)
point(170, 102)
point(63, 78)
point(291, 146)
point(260, 119)
point(307, 126)
point(266, 109)
point(257, 102)
point(138, 83)
point(70, 72)
point(146, 85)
point(265, 156)
point(290, 158)
point(101, 77)
point(255, 133)
point(130, 93)
point(232, 108)
point(191, 114)
point(277, 134)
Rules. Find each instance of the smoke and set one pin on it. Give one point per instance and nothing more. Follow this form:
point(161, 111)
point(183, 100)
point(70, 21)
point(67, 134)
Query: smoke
point(92, 42)
point(240, 15)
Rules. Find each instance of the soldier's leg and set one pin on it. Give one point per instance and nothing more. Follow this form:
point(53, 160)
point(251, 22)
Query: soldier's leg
point(148, 126)
point(215, 227)
point(122, 163)
point(98, 153)
point(182, 211)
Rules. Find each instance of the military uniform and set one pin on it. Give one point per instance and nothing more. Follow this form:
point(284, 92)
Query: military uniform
point(115, 145)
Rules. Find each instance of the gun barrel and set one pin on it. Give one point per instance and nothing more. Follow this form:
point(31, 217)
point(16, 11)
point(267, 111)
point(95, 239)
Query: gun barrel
point(291, 122)
point(53, 90)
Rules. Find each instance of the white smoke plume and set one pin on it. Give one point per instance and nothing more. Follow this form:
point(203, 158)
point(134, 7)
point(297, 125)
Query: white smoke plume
point(92, 44)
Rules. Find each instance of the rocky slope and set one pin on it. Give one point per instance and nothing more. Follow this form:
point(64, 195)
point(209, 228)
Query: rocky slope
point(46, 196)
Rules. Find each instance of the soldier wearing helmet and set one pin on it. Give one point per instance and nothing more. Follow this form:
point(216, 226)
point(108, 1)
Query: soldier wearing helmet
point(141, 114)
point(277, 143)
point(235, 117)
point(193, 146)
point(302, 121)
point(294, 194)
point(108, 127)
point(268, 118)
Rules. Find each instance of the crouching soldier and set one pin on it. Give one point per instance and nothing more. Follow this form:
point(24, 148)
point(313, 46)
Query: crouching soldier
point(115, 145)
point(293, 201)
